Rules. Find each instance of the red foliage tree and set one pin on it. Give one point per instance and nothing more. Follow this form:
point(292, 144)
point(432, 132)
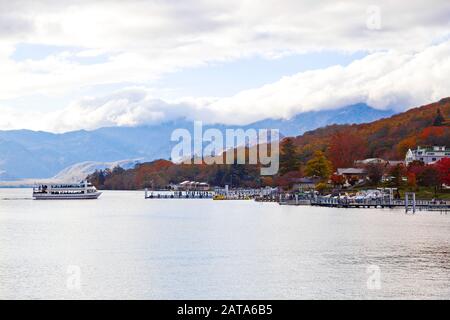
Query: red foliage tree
point(432, 131)
point(443, 166)
point(430, 177)
point(416, 167)
point(337, 180)
point(345, 148)
point(288, 180)
point(412, 180)
point(435, 136)
point(145, 173)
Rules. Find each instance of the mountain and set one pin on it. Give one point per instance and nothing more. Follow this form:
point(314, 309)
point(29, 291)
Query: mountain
point(387, 138)
point(80, 171)
point(357, 113)
point(38, 154)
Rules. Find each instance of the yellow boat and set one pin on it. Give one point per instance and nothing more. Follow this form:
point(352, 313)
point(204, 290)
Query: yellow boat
point(223, 197)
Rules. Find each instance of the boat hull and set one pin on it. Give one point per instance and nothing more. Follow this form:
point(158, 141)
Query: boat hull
point(44, 196)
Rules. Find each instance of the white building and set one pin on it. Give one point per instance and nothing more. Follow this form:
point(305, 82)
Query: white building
point(192, 186)
point(365, 162)
point(370, 161)
point(427, 155)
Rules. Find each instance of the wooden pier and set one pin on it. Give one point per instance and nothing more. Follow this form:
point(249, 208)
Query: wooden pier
point(268, 198)
point(179, 194)
point(285, 199)
point(295, 202)
point(408, 204)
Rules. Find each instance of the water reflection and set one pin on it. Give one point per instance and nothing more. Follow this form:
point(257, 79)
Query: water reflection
point(128, 247)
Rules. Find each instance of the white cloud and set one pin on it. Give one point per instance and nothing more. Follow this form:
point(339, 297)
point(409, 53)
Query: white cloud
point(382, 80)
point(141, 40)
point(145, 39)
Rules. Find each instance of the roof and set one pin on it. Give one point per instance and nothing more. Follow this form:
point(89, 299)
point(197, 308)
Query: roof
point(355, 171)
point(432, 148)
point(395, 162)
point(193, 182)
point(308, 180)
point(371, 160)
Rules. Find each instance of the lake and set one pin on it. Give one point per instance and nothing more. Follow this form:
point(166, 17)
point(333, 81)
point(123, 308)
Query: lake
point(122, 246)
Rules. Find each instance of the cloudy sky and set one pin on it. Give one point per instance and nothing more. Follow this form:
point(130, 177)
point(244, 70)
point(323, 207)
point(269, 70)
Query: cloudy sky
point(67, 65)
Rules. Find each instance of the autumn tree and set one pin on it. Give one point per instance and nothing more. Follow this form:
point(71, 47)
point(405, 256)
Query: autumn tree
point(337, 180)
point(406, 144)
point(345, 148)
point(429, 177)
point(321, 187)
point(375, 172)
point(267, 181)
point(289, 160)
point(97, 178)
point(287, 180)
point(435, 136)
point(397, 172)
point(319, 166)
point(414, 170)
point(412, 180)
point(443, 167)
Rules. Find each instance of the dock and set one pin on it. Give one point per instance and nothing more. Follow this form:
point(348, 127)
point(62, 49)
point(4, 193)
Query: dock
point(409, 205)
point(295, 202)
point(284, 199)
point(178, 194)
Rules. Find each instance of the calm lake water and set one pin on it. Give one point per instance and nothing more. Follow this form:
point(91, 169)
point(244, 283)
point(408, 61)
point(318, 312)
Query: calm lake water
point(123, 246)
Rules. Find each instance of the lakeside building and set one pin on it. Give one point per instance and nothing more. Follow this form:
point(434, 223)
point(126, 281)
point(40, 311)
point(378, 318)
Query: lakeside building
point(427, 154)
point(191, 186)
point(392, 163)
point(360, 173)
point(370, 161)
point(305, 183)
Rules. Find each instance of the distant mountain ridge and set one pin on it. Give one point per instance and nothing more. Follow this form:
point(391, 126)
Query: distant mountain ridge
point(38, 154)
point(299, 124)
point(80, 171)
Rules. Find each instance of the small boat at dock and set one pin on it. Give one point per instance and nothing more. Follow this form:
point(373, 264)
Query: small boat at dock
point(75, 191)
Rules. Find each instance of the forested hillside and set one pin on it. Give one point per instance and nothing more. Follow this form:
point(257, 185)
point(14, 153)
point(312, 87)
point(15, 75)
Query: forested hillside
point(337, 146)
point(387, 138)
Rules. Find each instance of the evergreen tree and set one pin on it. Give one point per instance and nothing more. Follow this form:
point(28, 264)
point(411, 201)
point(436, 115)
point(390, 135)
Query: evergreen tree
point(289, 159)
point(439, 120)
point(319, 166)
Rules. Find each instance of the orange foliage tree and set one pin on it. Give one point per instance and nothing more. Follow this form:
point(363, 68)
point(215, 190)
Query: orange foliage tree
point(432, 131)
point(146, 173)
point(404, 145)
point(435, 136)
point(345, 148)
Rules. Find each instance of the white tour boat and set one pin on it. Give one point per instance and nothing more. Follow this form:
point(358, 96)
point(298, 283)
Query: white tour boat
point(82, 190)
